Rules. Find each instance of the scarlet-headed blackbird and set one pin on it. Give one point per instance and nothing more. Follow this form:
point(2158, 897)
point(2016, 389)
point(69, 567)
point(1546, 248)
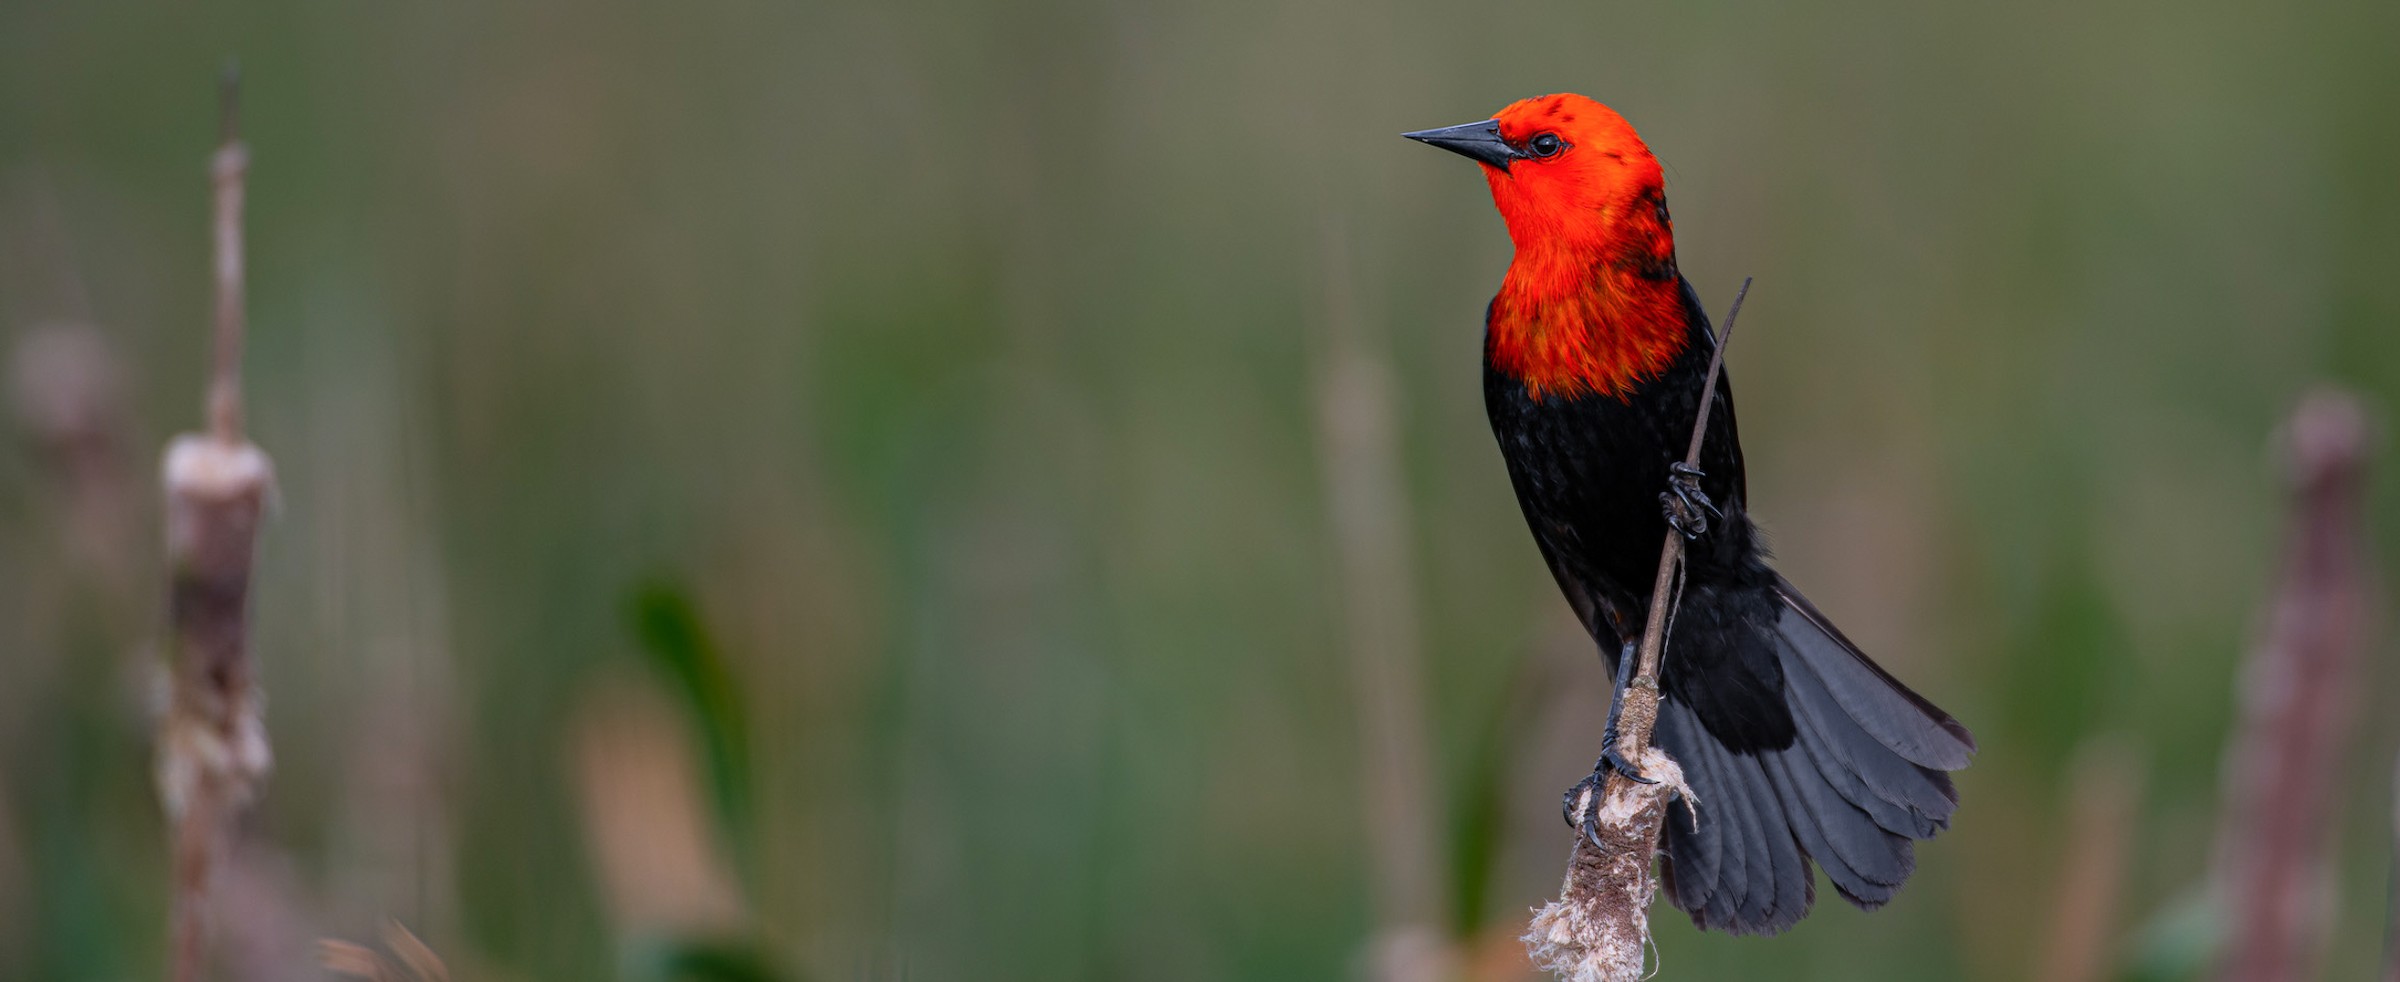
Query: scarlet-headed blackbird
point(1797, 746)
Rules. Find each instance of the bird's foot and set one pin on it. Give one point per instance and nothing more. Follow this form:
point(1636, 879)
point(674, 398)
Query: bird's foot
point(1580, 806)
point(1687, 506)
point(1613, 759)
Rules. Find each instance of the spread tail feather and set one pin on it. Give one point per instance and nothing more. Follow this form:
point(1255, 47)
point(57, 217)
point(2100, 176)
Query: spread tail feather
point(1865, 776)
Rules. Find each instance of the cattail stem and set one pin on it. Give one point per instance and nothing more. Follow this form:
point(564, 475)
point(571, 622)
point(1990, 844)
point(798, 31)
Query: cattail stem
point(212, 746)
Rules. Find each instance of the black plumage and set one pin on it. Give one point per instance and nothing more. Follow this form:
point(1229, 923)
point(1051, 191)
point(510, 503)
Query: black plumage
point(1799, 748)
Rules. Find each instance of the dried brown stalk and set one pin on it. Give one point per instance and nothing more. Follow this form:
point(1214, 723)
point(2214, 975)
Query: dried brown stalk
point(1598, 929)
point(2283, 763)
point(212, 745)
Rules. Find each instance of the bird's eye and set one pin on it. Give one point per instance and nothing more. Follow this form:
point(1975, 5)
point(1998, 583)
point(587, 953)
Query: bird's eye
point(1546, 145)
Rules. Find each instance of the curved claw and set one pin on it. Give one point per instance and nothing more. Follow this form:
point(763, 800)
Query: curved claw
point(1686, 506)
point(1611, 759)
point(1571, 805)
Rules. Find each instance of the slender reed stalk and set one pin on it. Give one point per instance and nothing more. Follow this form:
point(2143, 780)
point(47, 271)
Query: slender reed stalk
point(2105, 796)
point(1367, 504)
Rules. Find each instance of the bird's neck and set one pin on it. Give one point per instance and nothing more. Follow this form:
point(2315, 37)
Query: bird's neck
point(1598, 313)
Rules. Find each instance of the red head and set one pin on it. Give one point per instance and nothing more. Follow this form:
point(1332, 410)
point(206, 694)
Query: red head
point(1592, 302)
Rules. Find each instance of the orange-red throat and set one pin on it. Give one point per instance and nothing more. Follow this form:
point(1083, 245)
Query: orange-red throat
point(1592, 303)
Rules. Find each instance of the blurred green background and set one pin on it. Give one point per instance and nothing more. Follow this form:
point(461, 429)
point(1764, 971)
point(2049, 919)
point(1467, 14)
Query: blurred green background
point(906, 415)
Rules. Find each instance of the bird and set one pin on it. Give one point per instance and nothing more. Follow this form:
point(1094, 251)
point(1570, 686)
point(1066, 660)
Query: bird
point(1800, 749)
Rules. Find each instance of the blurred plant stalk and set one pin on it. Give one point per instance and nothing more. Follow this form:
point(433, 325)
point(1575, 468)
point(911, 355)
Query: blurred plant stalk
point(2297, 694)
point(2106, 797)
point(213, 757)
point(1367, 505)
point(662, 869)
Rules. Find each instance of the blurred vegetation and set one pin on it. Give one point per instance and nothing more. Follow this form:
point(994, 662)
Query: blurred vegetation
point(680, 647)
point(958, 359)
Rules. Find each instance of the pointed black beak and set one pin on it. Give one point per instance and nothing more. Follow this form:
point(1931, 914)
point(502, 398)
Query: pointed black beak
point(1478, 140)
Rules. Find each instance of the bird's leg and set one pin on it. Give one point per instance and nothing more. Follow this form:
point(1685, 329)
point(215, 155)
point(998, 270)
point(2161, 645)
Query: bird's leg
point(1578, 814)
point(1687, 506)
point(1611, 758)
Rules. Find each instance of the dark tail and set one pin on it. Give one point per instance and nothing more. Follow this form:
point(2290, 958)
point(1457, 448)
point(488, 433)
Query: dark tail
point(1866, 776)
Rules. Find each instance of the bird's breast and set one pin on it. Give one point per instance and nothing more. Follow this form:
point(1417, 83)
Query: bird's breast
point(1569, 325)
